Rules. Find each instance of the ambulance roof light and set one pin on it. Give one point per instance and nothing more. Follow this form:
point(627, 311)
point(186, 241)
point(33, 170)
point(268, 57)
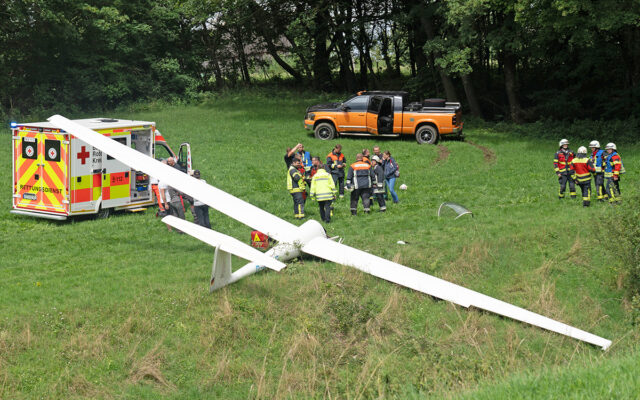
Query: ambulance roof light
point(13, 124)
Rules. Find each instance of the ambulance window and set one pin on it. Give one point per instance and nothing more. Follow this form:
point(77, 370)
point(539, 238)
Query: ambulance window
point(52, 150)
point(161, 152)
point(122, 140)
point(29, 148)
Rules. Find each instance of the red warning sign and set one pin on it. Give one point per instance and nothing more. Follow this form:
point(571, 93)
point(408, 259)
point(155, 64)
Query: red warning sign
point(259, 240)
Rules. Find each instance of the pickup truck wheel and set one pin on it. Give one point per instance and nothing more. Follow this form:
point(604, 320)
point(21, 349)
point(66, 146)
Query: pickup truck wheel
point(426, 134)
point(325, 131)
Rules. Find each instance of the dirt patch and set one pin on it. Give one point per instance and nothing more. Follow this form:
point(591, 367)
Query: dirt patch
point(489, 155)
point(443, 154)
point(148, 369)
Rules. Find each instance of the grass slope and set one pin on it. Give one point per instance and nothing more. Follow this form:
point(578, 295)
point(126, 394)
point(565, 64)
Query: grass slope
point(119, 308)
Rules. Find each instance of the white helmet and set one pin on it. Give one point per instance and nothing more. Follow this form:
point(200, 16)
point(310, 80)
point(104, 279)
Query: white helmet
point(563, 142)
point(582, 150)
point(594, 143)
point(610, 146)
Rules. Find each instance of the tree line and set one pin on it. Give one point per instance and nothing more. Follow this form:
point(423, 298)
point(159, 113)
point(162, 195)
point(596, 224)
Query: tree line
point(503, 59)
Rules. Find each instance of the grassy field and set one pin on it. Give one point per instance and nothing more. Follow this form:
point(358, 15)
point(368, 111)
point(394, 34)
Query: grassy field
point(119, 308)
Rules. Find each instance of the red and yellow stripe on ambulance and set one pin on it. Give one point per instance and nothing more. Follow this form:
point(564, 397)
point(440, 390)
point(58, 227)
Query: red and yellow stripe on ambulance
point(41, 170)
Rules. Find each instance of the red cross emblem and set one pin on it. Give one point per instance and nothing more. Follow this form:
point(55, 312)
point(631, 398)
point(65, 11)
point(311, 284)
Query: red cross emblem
point(29, 151)
point(52, 153)
point(83, 155)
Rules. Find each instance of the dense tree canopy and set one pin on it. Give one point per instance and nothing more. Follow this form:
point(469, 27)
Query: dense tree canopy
point(512, 59)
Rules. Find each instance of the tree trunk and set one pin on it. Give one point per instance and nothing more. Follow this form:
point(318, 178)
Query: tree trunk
point(321, 72)
point(471, 96)
point(509, 64)
point(447, 83)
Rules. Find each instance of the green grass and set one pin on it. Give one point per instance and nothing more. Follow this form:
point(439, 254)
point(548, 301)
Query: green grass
point(119, 308)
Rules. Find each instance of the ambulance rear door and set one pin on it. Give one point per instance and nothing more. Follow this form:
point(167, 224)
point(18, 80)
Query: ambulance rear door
point(40, 170)
point(116, 178)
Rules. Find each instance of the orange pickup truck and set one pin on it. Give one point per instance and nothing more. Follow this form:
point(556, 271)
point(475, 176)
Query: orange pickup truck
point(389, 114)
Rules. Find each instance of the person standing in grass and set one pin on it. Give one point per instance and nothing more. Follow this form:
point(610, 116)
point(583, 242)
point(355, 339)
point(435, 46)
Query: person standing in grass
point(335, 165)
point(360, 181)
point(378, 182)
point(583, 168)
point(200, 210)
point(612, 170)
point(562, 165)
point(323, 189)
point(296, 187)
point(390, 174)
point(596, 158)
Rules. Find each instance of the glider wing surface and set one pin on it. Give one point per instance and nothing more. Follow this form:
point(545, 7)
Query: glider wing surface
point(232, 206)
point(436, 287)
point(224, 242)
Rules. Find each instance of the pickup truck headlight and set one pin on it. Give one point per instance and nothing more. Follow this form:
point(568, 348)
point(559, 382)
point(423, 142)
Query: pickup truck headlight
point(311, 116)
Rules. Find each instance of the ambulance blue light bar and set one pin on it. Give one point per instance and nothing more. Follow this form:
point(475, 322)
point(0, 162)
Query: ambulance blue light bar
point(13, 124)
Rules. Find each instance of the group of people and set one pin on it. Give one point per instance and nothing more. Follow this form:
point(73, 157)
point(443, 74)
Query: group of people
point(171, 201)
point(605, 166)
point(368, 178)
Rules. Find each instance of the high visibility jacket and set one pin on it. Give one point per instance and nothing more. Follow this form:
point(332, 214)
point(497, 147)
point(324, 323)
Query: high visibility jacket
point(562, 160)
point(366, 159)
point(360, 175)
point(612, 165)
point(596, 159)
point(583, 168)
point(378, 179)
point(333, 160)
point(322, 186)
point(295, 180)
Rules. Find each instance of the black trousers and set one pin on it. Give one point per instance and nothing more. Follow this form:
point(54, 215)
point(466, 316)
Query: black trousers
point(363, 194)
point(325, 210)
point(381, 201)
point(600, 189)
point(202, 215)
point(564, 177)
point(298, 204)
point(586, 192)
point(339, 182)
point(613, 189)
point(176, 209)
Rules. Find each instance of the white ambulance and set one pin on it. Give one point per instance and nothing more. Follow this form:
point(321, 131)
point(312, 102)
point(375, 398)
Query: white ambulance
point(56, 175)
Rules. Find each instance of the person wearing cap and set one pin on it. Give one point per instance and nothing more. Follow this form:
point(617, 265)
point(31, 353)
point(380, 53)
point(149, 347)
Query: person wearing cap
point(583, 168)
point(596, 158)
point(612, 170)
point(563, 168)
point(200, 210)
point(296, 187)
point(378, 182)
point(323, 189)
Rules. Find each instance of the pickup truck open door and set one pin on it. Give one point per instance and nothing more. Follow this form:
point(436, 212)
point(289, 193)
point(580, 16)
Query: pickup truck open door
point(372, 114)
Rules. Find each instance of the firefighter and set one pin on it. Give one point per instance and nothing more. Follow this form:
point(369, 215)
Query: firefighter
point(335, 165)
point(612, 170)
point(366, 156)
point(296, 186)
point(359, 181)
point(378, 182)
point(305, 157)
point(562, 164)
point(199, 209)
point(583, 168)
point(323, 189)
point(596, 158)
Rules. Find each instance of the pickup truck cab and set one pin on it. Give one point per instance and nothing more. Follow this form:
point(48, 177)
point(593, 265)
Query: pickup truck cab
point(388, 114)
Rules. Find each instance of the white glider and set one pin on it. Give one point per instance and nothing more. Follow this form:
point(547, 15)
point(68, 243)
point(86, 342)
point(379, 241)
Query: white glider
point(308, 238)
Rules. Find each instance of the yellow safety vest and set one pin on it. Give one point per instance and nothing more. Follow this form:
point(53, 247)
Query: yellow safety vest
point(322, 186)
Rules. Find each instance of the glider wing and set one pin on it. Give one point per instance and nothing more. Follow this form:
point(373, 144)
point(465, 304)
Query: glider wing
point(436, 287)
point(232, 206)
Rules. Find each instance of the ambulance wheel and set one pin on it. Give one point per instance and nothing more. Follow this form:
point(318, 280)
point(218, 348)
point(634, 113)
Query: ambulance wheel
point(103, 213)
point(325, 131)
point(427, 134)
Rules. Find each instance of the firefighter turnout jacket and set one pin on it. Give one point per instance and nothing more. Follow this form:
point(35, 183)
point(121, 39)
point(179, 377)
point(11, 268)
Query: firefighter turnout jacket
point(378, 181)
point(596, 159)
point(612, 165)
point(333, 160)
point(322, 186)
point(360, 176)
point(295, 180)
point(583, 168)
point(562, 161)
